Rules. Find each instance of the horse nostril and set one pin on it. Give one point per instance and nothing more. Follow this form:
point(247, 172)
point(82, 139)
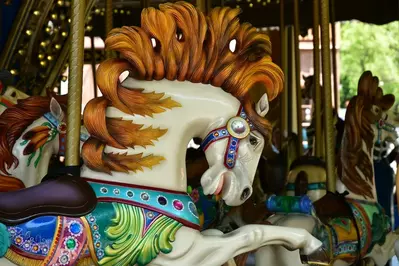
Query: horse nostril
point(245, 194)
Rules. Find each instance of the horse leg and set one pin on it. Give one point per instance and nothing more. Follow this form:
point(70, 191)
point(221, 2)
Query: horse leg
point(212, 249)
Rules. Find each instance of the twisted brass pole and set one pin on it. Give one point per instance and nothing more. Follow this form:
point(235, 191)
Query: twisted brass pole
point(72, 157)
point(108, 23)
point(284, 93)
point(334, 56)
point(318, 143)
point(328, 123)
point(298, 77)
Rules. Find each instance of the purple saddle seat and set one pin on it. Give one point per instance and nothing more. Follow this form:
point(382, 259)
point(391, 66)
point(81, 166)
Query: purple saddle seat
point(63, 196)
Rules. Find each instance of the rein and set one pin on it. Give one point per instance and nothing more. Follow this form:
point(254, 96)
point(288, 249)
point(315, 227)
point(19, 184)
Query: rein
point(236, 129)
point(61, 126)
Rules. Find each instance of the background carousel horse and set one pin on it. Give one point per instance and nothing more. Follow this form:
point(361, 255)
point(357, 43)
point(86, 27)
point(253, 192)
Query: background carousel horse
point(353, 227)
point(32, 131)
point(384, 155)
point(132, 160)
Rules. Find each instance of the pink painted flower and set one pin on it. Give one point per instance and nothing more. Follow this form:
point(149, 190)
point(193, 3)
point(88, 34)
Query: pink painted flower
point(194, 195)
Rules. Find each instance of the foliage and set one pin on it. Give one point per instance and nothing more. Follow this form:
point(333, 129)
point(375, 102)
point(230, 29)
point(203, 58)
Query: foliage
point(369, 47)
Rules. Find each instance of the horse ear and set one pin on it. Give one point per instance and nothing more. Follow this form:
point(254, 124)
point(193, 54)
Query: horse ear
point(56, 110)
point(262, 106)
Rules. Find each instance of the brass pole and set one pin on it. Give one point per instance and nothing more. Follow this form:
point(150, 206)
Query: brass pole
point(63, 57)
point(76, 56)
point(318, 143)
point(108, 23)
point(334, 56)
point(328, 123)
point(93, 65)
point(284, 93)
point(201, 5)
point(298, 77)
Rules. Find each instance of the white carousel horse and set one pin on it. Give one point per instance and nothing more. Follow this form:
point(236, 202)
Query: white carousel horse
point(134, 159)
point(365, 220)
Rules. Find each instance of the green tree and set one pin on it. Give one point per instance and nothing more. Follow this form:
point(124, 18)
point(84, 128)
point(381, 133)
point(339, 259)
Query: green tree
point(369, 47)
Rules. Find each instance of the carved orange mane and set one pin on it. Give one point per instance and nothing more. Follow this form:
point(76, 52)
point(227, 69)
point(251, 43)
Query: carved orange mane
point(360, 116)
point(176, 42)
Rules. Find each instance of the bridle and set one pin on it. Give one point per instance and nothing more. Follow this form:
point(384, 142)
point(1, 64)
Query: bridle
point(61, 127)
point(236, 129)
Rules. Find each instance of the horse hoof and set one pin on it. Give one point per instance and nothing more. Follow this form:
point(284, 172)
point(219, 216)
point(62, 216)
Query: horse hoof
point(5, 242)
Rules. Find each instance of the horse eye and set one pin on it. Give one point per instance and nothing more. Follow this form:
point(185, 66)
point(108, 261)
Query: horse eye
point(253, 140)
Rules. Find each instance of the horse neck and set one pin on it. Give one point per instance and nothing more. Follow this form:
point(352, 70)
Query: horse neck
point(32, 168)
point(203, 108)
point(365, 169)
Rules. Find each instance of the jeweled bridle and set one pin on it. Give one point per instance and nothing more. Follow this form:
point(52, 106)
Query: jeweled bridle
point(236, 129)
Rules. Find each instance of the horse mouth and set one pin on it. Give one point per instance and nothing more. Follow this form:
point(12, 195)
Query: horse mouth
point(220, 186)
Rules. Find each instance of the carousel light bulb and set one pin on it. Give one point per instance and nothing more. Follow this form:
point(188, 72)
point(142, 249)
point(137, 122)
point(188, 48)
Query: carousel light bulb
point(54, 16)
point(48, 29)
point(13, 72)
point(237, 6)
point(62, 16)
point(58, 46)
point(36, 12)
point(89, 28)
point(21, 52)
point(251, 5)
point(128, 12)
point(97, 11)
point(69, 20)
point(264, 3)
point(64, 34)
point(258, 1)
point(43, 63)
point(40, 56)
point(43, 44)
point(60, 3)
point(116, 11)
point(89, 18)
point(122, 11)
point(102, 14)
point(49, 58)
point(28, 32)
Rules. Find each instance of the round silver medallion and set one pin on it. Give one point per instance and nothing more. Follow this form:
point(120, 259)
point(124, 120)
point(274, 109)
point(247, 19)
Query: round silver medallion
point(238, 127)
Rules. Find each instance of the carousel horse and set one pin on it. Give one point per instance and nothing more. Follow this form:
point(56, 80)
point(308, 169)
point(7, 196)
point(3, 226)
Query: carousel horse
point(32, 131)
point(383, 156)
point(351, 225)
point(130, 204)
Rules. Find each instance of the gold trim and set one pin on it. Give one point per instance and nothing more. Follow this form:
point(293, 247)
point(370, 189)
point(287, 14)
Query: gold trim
point(90, 242)
point(21, 260)
point(86, 262)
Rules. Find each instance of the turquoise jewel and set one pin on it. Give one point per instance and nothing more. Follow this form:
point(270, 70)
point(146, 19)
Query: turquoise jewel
point(5, 242)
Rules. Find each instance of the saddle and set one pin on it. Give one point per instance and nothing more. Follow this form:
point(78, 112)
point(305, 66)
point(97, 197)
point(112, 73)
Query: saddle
point(63, 196)
point(332, 206)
